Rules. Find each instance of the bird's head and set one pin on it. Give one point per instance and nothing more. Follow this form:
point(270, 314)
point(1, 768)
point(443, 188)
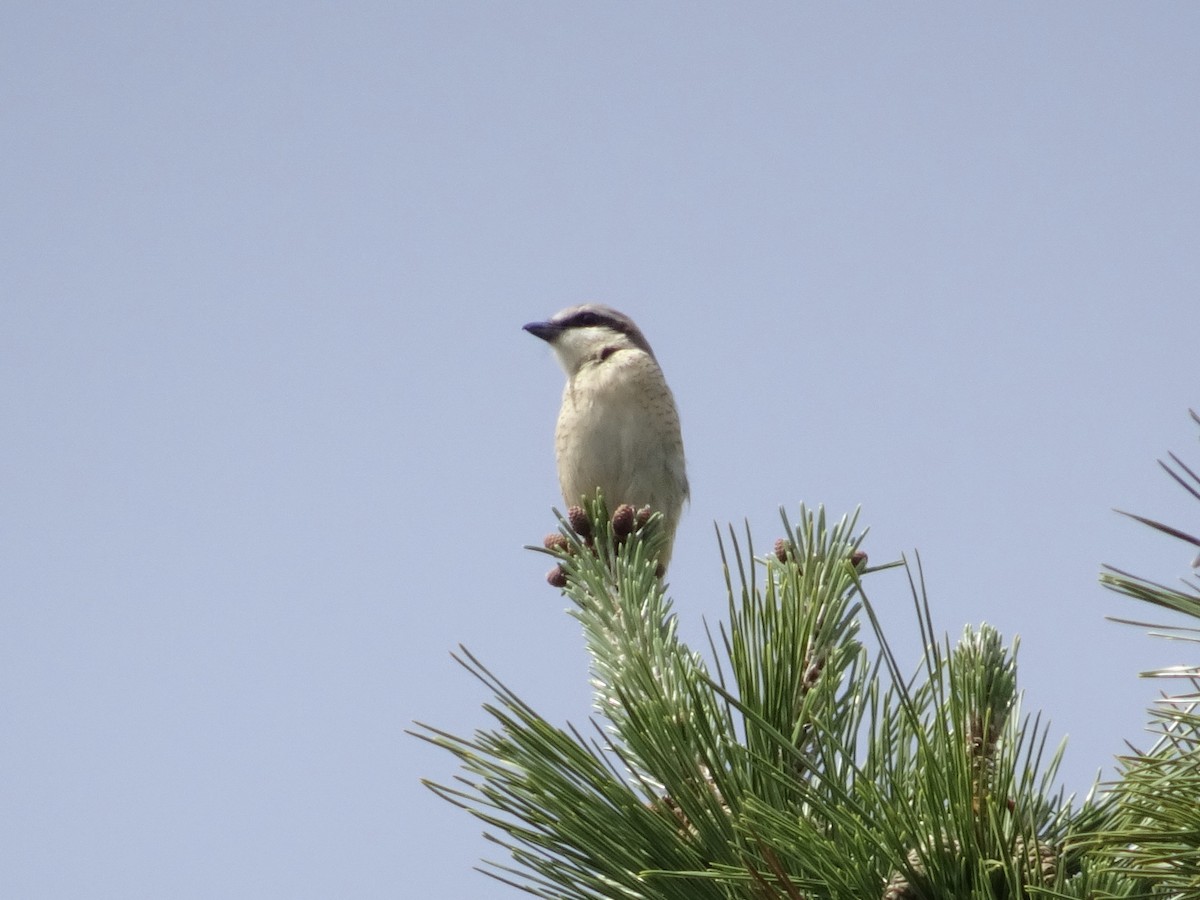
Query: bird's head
point(590, 332)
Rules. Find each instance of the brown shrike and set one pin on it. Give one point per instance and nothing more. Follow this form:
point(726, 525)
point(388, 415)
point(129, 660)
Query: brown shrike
point(618, 428)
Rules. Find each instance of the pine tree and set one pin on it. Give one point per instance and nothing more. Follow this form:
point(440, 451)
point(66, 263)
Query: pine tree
point(805, 762)
point(1153, 835)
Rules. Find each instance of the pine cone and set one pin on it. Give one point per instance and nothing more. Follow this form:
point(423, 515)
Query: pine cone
point(622, 521)
point(643, 516)
point(580, 523)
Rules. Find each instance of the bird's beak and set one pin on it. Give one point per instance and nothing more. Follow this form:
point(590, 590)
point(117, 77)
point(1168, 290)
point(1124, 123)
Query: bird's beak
point(547, 331)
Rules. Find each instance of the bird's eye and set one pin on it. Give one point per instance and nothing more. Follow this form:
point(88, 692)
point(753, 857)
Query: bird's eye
point(607, 352)
point(584, 320)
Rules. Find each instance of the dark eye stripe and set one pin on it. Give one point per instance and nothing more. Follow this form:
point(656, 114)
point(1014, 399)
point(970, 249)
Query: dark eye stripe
point(592, 318)
point(588, 318)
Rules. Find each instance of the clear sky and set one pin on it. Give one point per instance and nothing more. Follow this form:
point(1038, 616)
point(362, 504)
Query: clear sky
point(273, 437)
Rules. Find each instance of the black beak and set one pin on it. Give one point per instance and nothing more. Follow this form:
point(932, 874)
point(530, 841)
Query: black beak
point(547, 331)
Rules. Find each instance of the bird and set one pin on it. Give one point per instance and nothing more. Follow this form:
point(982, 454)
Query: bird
point(618, 428)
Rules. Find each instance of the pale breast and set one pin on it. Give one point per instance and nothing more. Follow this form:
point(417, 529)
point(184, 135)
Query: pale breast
point(618, 431)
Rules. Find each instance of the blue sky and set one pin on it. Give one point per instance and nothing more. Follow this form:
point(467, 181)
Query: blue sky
point(275, 439)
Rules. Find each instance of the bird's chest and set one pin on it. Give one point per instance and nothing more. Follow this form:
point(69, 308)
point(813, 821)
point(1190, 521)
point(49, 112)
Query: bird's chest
point(602, 428)
point(601, 414)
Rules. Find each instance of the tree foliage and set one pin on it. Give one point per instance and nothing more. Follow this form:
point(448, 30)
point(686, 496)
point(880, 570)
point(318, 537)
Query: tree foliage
point(1154, 832)
point(797, 758)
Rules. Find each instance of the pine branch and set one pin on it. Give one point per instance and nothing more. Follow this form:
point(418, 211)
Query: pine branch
point(1152, 836)
point(799, 766)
